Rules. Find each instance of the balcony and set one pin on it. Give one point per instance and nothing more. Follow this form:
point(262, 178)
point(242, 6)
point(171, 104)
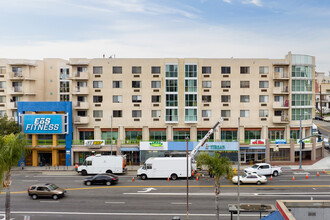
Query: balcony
point(281, 105)
point(81, 105)
point(78, 90)
point(12, 105)
point(81, 120)
point(279, 90)
point(16, 76)
point(79, 76)
point(16, 90)
point(284, 119)
point(281, 76)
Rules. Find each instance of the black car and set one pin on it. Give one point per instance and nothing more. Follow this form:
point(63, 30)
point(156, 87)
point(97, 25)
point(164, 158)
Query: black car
point(317, 117)
point(101, 179)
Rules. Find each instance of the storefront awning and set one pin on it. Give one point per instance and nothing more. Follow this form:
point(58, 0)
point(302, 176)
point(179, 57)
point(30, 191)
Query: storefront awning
point(129, 149)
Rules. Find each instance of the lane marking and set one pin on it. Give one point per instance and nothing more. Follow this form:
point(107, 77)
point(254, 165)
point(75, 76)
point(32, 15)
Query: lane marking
point(115, 202)
point(180, 203)
point(30, 180)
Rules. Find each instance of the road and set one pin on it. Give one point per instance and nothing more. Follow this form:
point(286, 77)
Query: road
point(323, 127)
point(155, 199)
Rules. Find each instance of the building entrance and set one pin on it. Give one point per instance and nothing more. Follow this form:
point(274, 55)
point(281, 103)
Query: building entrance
point(45, 159)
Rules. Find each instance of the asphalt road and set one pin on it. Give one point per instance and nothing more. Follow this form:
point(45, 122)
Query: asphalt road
point(155, 199)
point(323, 127)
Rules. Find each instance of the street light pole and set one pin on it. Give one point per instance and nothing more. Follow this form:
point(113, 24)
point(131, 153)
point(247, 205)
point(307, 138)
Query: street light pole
point(300, 153)
point(238, 167)
point(187, 139)
point(111, 133)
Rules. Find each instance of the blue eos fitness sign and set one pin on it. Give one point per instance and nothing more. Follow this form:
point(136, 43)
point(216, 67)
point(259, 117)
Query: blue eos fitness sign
point(43, 124)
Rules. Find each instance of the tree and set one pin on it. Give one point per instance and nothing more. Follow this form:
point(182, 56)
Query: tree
point(8, 126)
point(219, 167)
point(12, 148)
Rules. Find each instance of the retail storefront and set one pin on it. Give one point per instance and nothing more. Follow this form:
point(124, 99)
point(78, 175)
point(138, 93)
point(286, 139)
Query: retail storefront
point(49, 129)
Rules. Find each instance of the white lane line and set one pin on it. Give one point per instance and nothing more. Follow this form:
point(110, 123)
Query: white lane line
point(302, 180)
point(115, 202)
point(30, 180)
point(180, 203)
point(50, 201)
point(56, 176)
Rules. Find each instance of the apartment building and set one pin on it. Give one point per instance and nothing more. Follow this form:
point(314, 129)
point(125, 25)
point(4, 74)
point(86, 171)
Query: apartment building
point(129, 103)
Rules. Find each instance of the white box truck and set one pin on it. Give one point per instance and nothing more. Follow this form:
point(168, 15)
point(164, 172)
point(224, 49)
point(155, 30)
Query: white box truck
point(165, 167)
point(103, 164)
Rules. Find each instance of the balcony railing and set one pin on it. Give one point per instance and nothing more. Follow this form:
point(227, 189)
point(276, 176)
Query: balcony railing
point(279, 75)
point(81, 105)
point(81, 90)
point(81, 120)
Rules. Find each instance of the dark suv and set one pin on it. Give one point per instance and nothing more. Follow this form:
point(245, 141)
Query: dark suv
point(46, 190)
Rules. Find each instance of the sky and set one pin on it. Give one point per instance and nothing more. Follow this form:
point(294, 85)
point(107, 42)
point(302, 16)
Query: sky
point(37, 29)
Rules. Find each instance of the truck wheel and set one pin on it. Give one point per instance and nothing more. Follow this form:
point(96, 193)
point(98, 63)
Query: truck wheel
point(109, 171)
point(275, 173)
point(143, 177)
point(84, 172)
point(174, 176)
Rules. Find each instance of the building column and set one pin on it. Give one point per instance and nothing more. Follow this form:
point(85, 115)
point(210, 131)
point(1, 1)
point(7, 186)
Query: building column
point(287, 132)
point(322, 150)
point(313, 153)
point(55, 157)
point(34, 158)
point(241, 133)
point(193, 133)
point(264, 132)
point(145, 133)
point(169, 133)
point(267, 156)
point(292, 151)
point(97, 133)
point(217, 134)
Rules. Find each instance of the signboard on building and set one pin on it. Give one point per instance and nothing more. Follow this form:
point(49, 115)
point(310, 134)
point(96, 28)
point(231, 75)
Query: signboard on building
point(43, 124)
point(280, 141)
point(94, 143)
point(258, 141)
point(153, 145)
point(306, 141)
point(219, 146)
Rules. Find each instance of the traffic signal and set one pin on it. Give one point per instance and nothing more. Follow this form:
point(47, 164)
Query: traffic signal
point(303, 145)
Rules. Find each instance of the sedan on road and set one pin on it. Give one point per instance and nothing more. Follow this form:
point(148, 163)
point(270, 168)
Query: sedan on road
point(46, 190)
point(250, 178)
point(101, 179)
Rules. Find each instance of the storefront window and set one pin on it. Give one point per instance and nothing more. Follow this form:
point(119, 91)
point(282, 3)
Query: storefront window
point(157, 135)
point(106, 135)
point(273, 135)
point(181, 135)
point(294, 134)
point(45, 139)
point(281, 155)
point(86, 135)
point(228, 135)
point(133, 137)
point(252, 135)
point(201, 135)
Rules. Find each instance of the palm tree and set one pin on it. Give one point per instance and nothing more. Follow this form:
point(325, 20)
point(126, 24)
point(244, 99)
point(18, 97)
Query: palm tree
point(219, 167)
point(12, 148)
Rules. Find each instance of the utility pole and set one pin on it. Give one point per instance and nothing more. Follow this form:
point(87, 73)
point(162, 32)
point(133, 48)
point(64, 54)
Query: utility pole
point(111, 133)
point(300, 144)
point(187, 139)
point(238, 167)
point(321, 100)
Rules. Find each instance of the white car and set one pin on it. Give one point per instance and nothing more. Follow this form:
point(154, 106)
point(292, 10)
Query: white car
point(250, 178)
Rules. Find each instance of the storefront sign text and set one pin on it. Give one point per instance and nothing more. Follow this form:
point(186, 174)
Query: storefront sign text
point(258, 141)
point(43, 124)
point(94, 143)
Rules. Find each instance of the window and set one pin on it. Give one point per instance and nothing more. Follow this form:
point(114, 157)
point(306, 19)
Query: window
point(302, 100)
point(191, 100)
point(275, 134)
point(201, 135)
point(225, 113)
point(171, 100)
point(106, 135)
point(263, 113)
point(206, 84)
point(117, 84)
point(2, 99)
point(136, 113)
point(225, 98)
point(263, 84)
point(206, 70)
point(225, 84)
point(263, 70)
point(171, 70)
point(155, 113)
point(117, 70)
point(190, 71)
point(82, 113)
point(2, 113)
point(206, 98)
point(17, 70)
point(136, 69)
point(155, 69)
point(172, 115)
point(133, 136)
point(136, 98)
point(302, 71)
point(244, 113)
point(171, 85)
point(252, 134)
point(81, 69)
point(97, 113)
point(2, 70)
point(136, 84)
point(149, 166)
point(64, 98)
point(190, 85)
point(64, 86)
point(294, 134)
point(245, 98)
point(263, 98)
point(245, 84)
point(245, 69)
point(277, 113)
point(228, 135)
point(302, 85)
point(97, 84)
point(279, 69)
point(97, 69)
point(155, 84)
point(190, 115)
point(64, 73)
point(206, 113)
point(155, 98)
point(157, 135)
point(306, 114)
point(117, 99)
point(181, 135)
point(117, 113)
point(97, 99)
point(225, 70)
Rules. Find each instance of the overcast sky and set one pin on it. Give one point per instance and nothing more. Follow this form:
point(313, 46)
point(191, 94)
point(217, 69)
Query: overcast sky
point(36, 29)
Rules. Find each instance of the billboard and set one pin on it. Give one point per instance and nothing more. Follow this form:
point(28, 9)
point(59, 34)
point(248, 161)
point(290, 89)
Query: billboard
point(43, 124)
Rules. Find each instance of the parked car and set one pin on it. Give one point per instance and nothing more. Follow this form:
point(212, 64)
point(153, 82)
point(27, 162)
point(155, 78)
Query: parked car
point(101, 179)
point(46, 190)
point(250, 178)
point(326, 143)
point(317, 117)
point(264, 169)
